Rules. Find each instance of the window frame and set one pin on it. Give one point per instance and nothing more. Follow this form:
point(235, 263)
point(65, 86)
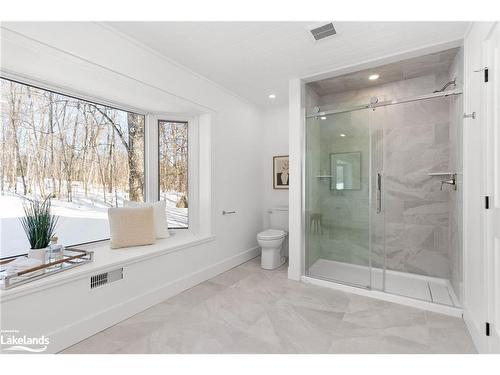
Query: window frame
point(158, 121)
point(153, 193)
point(93, 100)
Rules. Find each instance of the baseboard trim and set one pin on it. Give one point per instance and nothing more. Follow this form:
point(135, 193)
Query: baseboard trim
point(475, 332)
point(84, 328)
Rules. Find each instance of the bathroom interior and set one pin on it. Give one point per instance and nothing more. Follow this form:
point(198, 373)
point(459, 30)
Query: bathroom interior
point(383, 167)
point(338, 195)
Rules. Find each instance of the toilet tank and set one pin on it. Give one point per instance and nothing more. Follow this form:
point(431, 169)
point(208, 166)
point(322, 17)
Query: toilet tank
point(278, 218)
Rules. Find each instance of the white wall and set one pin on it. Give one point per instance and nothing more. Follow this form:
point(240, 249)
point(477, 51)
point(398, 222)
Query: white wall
point(475, 302)
point(296, 123)
point(274, 142)
point(100, 63)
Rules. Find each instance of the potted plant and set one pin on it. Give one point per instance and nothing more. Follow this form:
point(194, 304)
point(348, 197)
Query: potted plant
point(39, 226)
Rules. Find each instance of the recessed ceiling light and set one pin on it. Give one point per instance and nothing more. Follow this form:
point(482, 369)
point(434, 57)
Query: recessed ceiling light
point(342, 134)
point(373, 77)
point(323, 117)
point(272, 96)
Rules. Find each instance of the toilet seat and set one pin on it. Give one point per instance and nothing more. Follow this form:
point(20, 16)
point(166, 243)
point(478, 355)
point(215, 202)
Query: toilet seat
point(271, 234)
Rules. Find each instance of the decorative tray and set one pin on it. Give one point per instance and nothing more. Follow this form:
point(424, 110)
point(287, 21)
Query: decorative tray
point(72, 258)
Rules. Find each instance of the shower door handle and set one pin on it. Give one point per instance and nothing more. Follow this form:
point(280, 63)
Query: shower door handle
point(379, 193)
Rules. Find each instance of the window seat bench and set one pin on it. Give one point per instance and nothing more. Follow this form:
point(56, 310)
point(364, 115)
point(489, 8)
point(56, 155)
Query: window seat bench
point(106, 258)
point(65, 309)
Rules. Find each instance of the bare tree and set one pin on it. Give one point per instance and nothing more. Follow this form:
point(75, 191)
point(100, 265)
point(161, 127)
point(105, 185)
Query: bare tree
point(135, 155)
point(15, 103)
point(69, 148)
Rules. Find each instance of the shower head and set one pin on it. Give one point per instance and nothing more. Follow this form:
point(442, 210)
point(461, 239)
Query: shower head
point(454, 82)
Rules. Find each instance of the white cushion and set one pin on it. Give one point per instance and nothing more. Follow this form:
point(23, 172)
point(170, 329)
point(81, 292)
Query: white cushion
point(160, 215)
point(131, 226)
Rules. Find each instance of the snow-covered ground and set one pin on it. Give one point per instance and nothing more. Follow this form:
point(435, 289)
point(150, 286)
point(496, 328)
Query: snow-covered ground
point(177, 217)
point(82, 220)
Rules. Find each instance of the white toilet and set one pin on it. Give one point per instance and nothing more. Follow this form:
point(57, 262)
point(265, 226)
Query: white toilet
point(272, 240)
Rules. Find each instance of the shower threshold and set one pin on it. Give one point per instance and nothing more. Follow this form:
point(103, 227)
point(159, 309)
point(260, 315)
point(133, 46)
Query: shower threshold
point(420, 287)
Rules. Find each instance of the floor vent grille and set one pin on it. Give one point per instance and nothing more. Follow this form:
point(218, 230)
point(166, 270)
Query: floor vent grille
point(106, 278)
point(323, 31)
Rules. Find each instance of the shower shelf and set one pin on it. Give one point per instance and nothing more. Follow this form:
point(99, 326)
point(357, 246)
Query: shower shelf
point(324, 176)
point(441, 174)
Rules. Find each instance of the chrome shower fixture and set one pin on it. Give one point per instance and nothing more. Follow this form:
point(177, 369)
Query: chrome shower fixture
point(454, 83)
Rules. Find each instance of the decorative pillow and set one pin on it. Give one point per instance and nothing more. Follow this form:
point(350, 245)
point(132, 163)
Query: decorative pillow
point(131, 226)
point(160, 215)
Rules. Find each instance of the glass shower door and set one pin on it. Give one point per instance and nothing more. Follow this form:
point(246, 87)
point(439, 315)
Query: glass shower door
point(338, 197)
point(422, 215)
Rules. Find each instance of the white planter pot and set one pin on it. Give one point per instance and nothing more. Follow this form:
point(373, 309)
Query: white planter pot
point(39, 254)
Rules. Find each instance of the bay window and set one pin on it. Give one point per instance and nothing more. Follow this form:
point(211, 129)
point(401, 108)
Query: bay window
point(86, 156)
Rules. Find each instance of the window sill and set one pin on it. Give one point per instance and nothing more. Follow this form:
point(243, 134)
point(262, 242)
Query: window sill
point(106, 258)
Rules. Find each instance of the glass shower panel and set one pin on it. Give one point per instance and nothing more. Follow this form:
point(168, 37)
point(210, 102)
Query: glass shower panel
point(377, 221)
point(418, 211)
point(337, 197)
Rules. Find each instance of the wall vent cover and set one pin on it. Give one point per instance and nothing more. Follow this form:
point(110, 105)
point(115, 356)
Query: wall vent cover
point(106, 278)
point(324, 31)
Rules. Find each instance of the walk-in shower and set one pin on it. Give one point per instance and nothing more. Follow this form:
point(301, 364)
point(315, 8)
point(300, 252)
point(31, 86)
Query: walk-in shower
point(382, 179)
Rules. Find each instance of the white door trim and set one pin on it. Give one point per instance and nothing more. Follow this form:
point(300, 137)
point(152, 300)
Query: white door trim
point(492, 180)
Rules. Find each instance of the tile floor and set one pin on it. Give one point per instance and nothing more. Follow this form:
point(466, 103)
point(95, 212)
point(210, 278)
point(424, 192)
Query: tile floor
point(250, 310)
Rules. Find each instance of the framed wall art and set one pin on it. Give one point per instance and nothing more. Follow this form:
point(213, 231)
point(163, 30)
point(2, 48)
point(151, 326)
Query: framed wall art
point(281, 173)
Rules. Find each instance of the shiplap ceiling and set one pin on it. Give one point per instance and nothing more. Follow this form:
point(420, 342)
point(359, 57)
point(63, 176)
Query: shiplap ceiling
point(255, 59)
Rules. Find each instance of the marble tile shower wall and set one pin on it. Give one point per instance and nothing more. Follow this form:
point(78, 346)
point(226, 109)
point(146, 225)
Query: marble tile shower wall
point(408, 142)
point(416, 210)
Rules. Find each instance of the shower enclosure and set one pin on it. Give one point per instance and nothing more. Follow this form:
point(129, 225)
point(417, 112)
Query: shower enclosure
point(381, 207)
